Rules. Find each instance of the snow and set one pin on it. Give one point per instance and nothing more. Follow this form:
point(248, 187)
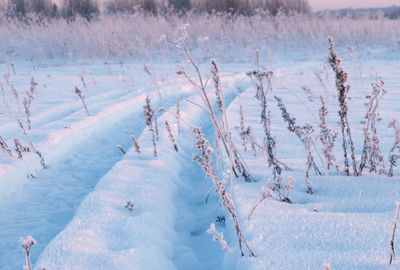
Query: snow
point(97, 208)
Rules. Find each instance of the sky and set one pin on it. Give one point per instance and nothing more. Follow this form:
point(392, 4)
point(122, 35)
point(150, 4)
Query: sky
point(337, 4)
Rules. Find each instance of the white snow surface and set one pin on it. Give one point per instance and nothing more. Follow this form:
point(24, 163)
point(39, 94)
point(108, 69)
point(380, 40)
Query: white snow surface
point(75, 208)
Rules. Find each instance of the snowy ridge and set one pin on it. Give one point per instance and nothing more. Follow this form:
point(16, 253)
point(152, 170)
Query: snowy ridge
point(346, 223)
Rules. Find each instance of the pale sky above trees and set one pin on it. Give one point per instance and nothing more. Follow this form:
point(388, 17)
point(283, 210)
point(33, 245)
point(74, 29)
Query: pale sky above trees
point(335, 4)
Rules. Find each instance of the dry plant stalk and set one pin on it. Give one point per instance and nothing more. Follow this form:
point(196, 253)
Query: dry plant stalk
point(27, 106)
point(153, 80)
point(156, 125)
point(392, 253)
point(343, 91)
point(266, 193)
point(82, 98)
point(282, 188)
point(246, 134)
point(396, 146)
point(219, 236)
point(171, 136)
point(136, 144)
point(149, 115)
point(371, 153)
point(204, 158)
point(34, 84)
point(3, 95)
point(83, 81)
point(26, 245)
point(178, 115)
point(307, 90)
point(258, 78)
point(243, 131)
point(304, 134)
point(33, 148)
point(121, 149)
point(20, 149)
point(308, 141)
point(327, 136)
point(327, 266)
point(239, 162)
point(16, 96)
point(5, 147)
point(200, 87)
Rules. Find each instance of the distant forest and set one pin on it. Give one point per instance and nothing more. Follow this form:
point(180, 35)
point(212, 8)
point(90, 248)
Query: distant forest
point(89, 9)
point(392, 12)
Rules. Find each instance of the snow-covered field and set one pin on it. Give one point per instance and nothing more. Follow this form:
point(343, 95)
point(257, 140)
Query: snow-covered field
point(94, 207)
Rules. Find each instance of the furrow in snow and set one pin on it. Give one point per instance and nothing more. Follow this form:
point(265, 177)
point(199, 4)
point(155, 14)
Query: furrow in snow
point(43, 206)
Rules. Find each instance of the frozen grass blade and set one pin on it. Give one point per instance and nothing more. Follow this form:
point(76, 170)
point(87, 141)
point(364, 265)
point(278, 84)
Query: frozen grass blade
point(392, 253)
point(82, 98)
point(26, 245)
point(343, 91)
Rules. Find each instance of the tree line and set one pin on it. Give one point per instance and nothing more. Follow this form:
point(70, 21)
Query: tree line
point(91, 8)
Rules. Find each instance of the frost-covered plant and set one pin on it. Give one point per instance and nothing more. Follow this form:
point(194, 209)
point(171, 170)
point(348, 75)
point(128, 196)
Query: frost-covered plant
point(121, 149)
point(20, 149)
point(246, 133)
point(259, 78)
point(149, 114)
point(323, 78)
point(392, 253)
point(204, 158)
point(308, 141)
point(178, 115)
point(238, 160)
point(136, 145)
point(343, 91)
point(243, 130)
point(266, 193)
point(304, 133)
point(34, 84)
point(171, 136)
point(307, 90)
point(33, 148)
point(239, 165)
point(220, 125)
point(155, 117)
point(3, 95)
point(82, 98)
point(5, 147)
point(282, 187)
point(27, 106)
point(83, 81)
point(26, 245)
point(393, 156)
point(154, 81)
point(327, 136)
point(371, 153)
point(16, 96)
point(219, 236)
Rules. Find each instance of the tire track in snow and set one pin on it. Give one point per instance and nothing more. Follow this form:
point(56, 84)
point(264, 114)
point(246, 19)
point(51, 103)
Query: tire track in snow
point(43, 207)
point(197, 207)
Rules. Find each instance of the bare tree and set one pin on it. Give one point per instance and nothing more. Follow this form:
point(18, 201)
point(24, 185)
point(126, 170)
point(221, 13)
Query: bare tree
point(130, 6)
point(16, 8)
point(180, 5)
point(85, 8)
point(42, 7)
